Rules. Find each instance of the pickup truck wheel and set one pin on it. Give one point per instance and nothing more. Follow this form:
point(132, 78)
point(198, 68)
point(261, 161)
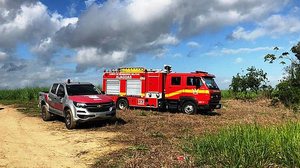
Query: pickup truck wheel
point(46, 116)
point(189, 108)
point(69, 121)
point(122, 104)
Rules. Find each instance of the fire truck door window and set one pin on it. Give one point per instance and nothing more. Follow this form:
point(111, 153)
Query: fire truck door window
point(113, 87)
point(175, 80)
point(134, 87)
point(194, 81)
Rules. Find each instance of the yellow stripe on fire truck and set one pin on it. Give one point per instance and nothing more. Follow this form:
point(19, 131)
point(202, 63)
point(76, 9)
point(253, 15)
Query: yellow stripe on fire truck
point(193, 91)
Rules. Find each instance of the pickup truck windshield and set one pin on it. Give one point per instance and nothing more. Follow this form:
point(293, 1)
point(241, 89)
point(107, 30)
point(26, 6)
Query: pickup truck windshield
point(74, 90)
point(210, 83)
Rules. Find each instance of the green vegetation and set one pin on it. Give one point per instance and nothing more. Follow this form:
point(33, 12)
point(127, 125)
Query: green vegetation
point(26, 100)
point(248, 146)
point(250, 85)
point(288, 90)
point(26, 94)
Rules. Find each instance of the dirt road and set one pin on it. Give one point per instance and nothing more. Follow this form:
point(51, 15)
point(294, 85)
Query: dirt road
point(30, 142)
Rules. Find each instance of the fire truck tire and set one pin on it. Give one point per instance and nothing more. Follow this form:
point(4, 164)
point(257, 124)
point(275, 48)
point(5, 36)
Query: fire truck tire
point(189, 108)
point(69, 120)
point(122, 104)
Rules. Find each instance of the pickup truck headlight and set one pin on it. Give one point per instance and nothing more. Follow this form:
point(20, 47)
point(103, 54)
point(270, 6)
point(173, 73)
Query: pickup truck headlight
point(79, 104)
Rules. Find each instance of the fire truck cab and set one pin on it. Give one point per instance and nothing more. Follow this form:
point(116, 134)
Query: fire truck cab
point(162, 89)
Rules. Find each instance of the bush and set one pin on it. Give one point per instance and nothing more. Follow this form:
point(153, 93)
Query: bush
point(288, 90)
point(250, 85)
point(248, 146)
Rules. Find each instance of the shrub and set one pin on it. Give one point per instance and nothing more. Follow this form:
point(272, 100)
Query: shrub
point(249, 85)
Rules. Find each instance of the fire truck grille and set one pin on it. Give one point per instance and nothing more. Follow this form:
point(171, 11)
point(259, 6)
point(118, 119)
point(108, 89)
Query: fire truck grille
point(98, 107)
point(215, 98)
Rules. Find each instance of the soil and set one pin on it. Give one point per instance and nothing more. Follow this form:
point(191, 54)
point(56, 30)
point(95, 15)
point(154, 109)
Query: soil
point(138, 138)
point(30, 142)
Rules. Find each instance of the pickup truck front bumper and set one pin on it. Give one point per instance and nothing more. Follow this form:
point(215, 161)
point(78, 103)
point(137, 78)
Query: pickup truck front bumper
point(94, 113)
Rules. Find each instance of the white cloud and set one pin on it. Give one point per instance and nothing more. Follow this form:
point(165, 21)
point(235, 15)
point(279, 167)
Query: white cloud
point(3, 56)
point(90, 56)
point(230, 51)
point(274, 26)
point(238, 60)
point(88, 3)
point(165, 39)
point(147, 10)
point(193, 44)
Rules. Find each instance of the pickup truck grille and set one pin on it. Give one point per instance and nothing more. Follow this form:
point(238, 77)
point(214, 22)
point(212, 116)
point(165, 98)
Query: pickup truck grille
point(91, 107)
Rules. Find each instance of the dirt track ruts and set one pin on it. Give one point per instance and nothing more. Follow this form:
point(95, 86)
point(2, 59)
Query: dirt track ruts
point(30, 142)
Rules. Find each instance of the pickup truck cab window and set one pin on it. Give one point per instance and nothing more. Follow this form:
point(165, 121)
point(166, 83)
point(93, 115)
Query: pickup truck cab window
point(61, 91)
point(81, 89)
point(54, 87)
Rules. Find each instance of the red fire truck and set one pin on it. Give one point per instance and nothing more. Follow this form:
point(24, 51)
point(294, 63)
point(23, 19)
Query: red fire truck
point(161, 89)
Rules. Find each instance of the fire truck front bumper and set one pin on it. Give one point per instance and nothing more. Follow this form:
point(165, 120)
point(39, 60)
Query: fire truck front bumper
point(210, 106)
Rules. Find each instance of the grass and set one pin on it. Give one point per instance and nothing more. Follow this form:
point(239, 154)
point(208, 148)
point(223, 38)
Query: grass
point(26, 99)
point(26, 94)
point(155, 138)
point(248, 146)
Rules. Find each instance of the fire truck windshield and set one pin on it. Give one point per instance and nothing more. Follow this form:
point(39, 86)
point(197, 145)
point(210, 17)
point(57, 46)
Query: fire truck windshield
point(210, 83)
point(81, 90)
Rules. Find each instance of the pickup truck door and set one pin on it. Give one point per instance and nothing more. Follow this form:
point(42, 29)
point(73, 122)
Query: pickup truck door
point(52, 96)
point(55, 101)
point(60, 99)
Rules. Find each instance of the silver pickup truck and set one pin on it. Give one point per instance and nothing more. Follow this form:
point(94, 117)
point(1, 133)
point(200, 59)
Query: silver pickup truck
point(76, 102)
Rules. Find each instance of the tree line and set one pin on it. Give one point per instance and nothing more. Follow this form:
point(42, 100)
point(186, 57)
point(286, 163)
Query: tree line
point(254, 81)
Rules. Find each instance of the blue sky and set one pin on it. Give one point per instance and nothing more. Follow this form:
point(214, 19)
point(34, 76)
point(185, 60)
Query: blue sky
point(52, 40)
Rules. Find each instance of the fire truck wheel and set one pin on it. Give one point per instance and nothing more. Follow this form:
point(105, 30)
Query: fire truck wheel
point(189, 108)
point(122, 104)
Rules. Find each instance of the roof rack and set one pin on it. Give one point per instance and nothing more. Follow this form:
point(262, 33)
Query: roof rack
point(201, 72)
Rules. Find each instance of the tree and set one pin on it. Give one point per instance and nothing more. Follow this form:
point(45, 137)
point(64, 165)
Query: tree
point(288, 90)
point(253, 81)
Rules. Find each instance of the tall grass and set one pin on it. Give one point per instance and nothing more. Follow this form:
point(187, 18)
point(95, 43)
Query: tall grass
point(26, 94)
point(248, 146)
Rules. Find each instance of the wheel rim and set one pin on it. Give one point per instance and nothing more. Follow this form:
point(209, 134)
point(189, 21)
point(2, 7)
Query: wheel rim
point(68, 119)
point(189, 109)
point(122, 105)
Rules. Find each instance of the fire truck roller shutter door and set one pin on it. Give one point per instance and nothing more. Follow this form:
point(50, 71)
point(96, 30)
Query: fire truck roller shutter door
point(134, 88)
point(113, 87)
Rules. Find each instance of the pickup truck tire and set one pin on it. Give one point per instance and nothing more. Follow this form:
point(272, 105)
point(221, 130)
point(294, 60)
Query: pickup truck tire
point(122, 104)
point(189, 108)
point(69, 121)
point(46, 116)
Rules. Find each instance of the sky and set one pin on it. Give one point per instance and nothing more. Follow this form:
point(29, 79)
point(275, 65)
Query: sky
point(46, 41)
